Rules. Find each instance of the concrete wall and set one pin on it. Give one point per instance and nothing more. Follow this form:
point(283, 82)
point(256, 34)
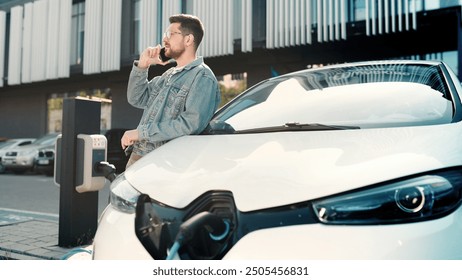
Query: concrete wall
point(22, 114)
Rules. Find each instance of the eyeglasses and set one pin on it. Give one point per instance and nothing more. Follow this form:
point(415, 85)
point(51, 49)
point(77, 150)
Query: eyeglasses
point(168, 34)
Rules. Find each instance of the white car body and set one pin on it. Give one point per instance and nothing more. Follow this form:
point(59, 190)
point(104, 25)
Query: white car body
point(22, 158)
point(279, 169)
point(12, 144)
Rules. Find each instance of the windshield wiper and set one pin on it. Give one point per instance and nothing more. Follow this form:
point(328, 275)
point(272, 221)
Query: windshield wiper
point(296, 127)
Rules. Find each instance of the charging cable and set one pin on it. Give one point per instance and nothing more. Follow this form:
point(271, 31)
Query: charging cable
point(107, 169)
point(217, 228)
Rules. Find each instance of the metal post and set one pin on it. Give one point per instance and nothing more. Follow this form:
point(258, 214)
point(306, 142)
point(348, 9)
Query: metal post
point(78, 212)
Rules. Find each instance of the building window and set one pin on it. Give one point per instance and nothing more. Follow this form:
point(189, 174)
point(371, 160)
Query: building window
point(136, 25)
point(259, 22)
point(357, 10)
point(433, 5)
point(77, 33)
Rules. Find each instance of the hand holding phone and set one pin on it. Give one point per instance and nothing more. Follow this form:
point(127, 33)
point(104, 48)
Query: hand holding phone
point(162, 55)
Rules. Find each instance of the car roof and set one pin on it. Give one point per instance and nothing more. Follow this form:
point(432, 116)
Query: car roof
point(8, 143)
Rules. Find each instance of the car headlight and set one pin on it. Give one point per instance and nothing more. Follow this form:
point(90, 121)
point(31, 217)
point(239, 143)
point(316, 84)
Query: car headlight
point(416, 199)
point(123, 196)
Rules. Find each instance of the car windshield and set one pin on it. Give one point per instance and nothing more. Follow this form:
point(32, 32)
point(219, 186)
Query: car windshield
point(46, 140)
point(363, 96)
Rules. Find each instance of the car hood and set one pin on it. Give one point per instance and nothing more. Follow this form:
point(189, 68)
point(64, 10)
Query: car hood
point(272, 169)
point(47, 147)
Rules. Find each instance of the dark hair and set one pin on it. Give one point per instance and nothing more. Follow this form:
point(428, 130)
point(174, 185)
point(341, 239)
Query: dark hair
point(190, 24)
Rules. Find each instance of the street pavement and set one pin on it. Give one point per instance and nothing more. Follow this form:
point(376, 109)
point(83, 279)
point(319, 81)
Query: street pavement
point(32, 231)
point(31, 236)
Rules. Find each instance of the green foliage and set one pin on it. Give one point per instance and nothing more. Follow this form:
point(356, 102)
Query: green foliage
point(228, 93)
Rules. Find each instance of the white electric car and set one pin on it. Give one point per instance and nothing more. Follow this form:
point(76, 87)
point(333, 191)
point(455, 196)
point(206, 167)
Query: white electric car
point(351, 161)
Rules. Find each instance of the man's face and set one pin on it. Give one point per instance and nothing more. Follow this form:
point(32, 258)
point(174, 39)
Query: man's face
point(174, 41)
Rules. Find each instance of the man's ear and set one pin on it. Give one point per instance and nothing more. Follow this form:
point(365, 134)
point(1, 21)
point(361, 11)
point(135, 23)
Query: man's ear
point(190, 40)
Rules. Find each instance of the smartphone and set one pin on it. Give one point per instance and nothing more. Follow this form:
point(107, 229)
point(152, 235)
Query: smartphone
point(163, 57)
point(128, 150)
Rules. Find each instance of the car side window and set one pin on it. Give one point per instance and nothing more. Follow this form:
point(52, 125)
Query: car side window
point(25, 143)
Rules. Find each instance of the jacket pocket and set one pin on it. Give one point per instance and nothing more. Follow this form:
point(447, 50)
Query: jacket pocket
point(176, 101)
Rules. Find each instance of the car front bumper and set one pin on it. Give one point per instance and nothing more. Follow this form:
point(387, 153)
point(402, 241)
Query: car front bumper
point(18, 162)
point(45, 166)
point(115, 237)
point(436, 239)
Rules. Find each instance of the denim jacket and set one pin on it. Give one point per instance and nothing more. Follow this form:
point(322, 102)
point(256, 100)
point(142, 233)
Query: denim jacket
point(176, 103)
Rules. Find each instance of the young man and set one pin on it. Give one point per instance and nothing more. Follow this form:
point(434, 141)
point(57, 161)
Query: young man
point(182, 100)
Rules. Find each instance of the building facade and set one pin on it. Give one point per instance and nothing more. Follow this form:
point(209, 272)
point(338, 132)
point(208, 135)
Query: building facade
point(53, 49)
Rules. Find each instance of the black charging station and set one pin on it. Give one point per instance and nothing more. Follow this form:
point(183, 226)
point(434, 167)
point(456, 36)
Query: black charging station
point(78, 212)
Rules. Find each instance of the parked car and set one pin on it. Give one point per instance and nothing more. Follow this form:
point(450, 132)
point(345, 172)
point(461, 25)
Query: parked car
point(45, 161)
point(10, 144)
point(22, 159)
point(350, 161)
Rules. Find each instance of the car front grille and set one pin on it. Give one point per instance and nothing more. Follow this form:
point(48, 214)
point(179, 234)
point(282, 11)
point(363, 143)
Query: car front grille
point(47, 154)
point(164, 223)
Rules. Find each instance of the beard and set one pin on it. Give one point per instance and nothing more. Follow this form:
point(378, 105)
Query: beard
point(174, 53)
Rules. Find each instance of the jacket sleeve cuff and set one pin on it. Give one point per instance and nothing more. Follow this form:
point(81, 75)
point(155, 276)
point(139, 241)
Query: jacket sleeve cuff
point(142, 132)
point(135, 68)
